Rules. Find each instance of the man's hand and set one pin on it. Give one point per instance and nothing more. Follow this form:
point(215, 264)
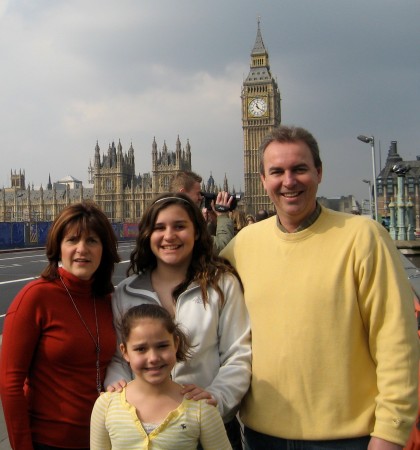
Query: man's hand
point(117, 386)
point(193, 392)
point(381, 444)
point(223, 199)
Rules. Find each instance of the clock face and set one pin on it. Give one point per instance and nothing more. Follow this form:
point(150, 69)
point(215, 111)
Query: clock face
point(257, 107)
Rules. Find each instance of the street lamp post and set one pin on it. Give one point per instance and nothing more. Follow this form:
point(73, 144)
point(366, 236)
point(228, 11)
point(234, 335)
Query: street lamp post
point(371, 140)
point(369, 183)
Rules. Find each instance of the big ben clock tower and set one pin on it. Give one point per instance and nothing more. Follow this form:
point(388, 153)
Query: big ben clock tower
point(260, 114)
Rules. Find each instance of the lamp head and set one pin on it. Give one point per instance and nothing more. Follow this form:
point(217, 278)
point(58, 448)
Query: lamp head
point(400, 169)
point(365, 139)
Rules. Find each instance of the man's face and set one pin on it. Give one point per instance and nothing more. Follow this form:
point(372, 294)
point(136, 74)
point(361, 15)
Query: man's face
point(195, 193)
point(291, 181)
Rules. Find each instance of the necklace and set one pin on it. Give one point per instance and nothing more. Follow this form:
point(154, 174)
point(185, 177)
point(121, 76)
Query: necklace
point(95, 341)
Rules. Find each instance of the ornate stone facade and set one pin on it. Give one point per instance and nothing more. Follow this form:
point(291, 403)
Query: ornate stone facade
point(121, 193)
point(117, 189)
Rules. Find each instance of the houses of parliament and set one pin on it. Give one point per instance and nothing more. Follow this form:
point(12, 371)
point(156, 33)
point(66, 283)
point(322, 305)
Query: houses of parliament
point(120, 193)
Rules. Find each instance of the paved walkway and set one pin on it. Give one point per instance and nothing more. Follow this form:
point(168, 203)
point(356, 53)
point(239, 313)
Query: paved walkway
point(4, 441)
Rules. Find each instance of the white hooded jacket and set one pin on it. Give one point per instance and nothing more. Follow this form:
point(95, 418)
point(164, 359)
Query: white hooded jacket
point(220, 337)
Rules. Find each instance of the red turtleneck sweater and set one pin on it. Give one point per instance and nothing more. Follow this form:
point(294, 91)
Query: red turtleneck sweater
point(48, 362)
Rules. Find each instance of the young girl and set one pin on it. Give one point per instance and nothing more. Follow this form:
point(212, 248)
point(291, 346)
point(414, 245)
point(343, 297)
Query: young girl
point(173, 265)
point(151, 410)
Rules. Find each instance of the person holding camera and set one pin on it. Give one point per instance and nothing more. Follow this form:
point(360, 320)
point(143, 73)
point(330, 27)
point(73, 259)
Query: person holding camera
point(218, 222)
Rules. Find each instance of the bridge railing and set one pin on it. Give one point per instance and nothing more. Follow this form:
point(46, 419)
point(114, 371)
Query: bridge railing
point(34, 234)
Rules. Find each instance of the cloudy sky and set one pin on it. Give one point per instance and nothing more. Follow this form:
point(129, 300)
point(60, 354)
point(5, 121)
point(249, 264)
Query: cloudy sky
point(74, 72)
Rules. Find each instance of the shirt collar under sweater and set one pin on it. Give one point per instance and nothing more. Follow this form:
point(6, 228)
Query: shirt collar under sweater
point(306, 223)
point(75, 284)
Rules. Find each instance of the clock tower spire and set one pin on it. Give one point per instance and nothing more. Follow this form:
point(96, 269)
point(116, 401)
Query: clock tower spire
point(260, 114)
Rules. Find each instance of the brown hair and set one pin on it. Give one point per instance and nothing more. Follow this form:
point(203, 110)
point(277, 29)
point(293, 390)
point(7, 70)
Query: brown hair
point(185, 180)
point(155, 312)
point(85, 216)
point(205, 268)
point(290, 134)
point(239, 220)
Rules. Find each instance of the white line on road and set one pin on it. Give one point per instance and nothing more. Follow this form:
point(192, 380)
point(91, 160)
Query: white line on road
point(18, 281)
point(21, 257)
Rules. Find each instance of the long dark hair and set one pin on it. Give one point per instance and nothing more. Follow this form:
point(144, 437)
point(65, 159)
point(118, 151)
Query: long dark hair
point(205, 268)
point(85, 216)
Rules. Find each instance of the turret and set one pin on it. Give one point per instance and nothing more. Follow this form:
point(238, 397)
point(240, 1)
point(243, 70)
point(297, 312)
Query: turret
point(225, 184)
point(119, 153)
point(97, 162)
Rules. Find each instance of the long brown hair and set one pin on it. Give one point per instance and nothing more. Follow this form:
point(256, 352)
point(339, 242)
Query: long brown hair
point(205, 268)
point(85, 216)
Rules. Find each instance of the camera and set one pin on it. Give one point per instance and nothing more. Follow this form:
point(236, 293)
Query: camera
point(210, 196)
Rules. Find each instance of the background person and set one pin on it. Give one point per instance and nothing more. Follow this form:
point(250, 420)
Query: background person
point(58, 336)
point(250, 219)
point(173, 265)
point(335, 352)
point(219, 223)
point(261, 215)
point(239, 220)
point(152, 343)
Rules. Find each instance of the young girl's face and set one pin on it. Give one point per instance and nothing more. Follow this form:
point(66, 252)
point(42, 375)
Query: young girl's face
point(151, 351)
point(173, 237)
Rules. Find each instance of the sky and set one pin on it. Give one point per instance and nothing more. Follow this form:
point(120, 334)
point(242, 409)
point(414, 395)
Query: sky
point(77, 72)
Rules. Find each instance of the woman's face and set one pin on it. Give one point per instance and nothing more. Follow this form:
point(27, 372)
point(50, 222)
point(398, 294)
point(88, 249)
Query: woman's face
point(81, 255)
point(173, 237)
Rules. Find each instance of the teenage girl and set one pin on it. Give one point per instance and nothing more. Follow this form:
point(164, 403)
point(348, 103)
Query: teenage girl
point(151, 410)
point(173, 265)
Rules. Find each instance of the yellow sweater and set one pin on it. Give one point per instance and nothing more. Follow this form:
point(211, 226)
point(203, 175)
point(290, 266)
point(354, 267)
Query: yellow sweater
point(335, 349)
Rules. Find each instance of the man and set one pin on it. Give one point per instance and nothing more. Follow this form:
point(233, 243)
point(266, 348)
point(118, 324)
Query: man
point(335, 351)
point(190, 184)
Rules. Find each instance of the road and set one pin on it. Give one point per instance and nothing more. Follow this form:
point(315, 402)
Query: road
point(19, 267)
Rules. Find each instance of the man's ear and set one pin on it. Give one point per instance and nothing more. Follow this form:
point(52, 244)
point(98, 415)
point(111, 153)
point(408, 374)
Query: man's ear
point(319, 170)
point(262, 178)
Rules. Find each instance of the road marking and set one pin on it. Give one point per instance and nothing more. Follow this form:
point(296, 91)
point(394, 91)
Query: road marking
point(18, 281)
point(22, 257)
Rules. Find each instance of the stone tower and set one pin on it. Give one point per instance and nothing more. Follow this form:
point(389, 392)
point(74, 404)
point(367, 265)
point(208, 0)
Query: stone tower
point(166, 164)
point(17, 180)
point(260, 114)
point(122, 194)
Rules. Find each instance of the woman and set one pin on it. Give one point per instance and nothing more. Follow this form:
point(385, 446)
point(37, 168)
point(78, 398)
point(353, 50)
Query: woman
point(239, 220)
point(173, 265)
point(58, 336)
